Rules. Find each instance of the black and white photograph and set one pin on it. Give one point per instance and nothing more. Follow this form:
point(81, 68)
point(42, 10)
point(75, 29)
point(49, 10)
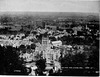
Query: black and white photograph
point(49, 37)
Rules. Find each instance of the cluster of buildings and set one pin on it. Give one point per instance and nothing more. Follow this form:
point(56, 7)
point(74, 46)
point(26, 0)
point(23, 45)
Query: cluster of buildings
point(50, 50)
point(14, 40)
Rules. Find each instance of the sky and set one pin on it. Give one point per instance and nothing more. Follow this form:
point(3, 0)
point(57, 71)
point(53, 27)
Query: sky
point(50, 5)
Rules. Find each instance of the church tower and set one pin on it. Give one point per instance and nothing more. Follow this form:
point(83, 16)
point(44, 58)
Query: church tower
point(45, 42)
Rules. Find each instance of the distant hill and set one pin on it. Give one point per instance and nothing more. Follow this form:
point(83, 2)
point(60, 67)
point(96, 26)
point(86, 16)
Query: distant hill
point(48, 13)
point(52, 15)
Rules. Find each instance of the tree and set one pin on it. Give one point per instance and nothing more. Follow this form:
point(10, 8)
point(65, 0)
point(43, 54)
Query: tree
point(12, 62)
point(73, 60)
point(2, 69)
point(41, 64)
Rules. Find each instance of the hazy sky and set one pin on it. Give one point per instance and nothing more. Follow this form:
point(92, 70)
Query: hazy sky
point(50, 5)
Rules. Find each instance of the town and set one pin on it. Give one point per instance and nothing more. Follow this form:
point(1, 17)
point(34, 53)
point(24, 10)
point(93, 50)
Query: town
point(49, 46)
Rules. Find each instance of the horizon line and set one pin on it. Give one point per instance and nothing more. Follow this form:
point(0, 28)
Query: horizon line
point(46, 12)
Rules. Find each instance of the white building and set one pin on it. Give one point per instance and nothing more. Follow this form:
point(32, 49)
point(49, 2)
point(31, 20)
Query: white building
point(57, 43)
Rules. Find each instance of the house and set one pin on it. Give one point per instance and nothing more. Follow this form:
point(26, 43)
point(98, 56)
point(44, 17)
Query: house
point(51, 27)
point(57, 43)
